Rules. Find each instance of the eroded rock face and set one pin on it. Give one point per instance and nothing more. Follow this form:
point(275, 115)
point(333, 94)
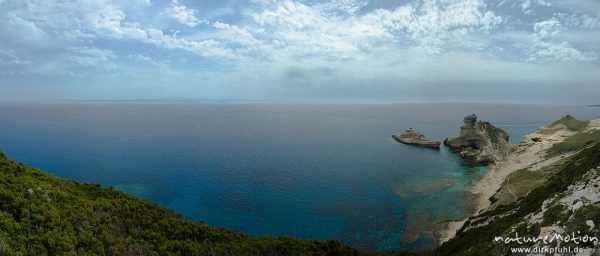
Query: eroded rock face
point(412, 137)
point(480, 142)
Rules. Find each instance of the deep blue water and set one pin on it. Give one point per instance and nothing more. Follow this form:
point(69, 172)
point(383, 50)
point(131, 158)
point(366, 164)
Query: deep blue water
point(312, 171)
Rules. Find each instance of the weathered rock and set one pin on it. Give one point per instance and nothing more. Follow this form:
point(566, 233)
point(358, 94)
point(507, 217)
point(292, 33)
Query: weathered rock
point(550, 231)
point(412, 137)
point(577, 206)
point(590, 223)
point(481, 142)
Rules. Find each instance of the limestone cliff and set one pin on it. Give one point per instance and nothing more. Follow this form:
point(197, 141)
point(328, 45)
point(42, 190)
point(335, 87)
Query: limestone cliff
point(480, 141)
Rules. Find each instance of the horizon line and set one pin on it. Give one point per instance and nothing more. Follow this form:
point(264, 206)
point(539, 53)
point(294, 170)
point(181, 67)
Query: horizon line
point(291, 102)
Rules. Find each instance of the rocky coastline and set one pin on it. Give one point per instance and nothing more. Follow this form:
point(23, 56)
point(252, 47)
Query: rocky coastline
point(529, 161)
point(479, 142)
point(518, 171)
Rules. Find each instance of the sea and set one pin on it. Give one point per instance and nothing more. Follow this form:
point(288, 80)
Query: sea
point(314, 171)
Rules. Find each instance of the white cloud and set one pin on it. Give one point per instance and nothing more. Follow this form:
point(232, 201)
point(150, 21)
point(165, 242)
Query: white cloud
point(184, 14)
point(589, 22)
point(208, 48)
point(584, 21)
point(22, 25)
point(147, 59)
point(305, 31)
point(543, 3)
point(239, 37)
point(546, 47)
point(282, 30)
point(561, 51)
point(528, 6)
point(525, 6)
point(547, 28)
point(331, 43)
point(145, 2)
point(108, 20)
point(348, 7)
point(10, 56)
point(77, 35)
point(436, 21)
point(431, 25)
point(91, 56)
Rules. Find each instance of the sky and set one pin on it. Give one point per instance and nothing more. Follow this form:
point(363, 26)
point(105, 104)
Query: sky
point(371, 51)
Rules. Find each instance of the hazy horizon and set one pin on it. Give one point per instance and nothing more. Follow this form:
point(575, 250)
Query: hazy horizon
point(282, 102)
point(324, 51)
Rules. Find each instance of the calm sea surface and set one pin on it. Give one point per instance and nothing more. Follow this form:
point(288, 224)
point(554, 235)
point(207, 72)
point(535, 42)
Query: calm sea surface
point(311, 171)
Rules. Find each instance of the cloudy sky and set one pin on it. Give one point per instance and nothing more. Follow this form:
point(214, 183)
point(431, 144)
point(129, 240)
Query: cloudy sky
point(538, 51)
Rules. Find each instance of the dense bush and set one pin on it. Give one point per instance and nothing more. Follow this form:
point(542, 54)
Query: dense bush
point(555, 214)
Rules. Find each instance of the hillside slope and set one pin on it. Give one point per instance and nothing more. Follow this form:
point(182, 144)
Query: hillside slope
point(44, 215)
point(547, 195)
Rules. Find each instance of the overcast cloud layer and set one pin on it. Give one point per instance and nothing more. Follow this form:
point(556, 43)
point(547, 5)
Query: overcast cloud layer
point(537, 51)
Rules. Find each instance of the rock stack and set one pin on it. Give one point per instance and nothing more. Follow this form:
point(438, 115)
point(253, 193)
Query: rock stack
point(412, 137)
point(481, 142)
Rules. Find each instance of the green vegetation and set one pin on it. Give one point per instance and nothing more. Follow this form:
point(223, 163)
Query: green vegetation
point(555, 214)
point(571, 123)
point(44, 215)
point(479, 239)
point(575, 142)
point(588, 212)
point(494, 132)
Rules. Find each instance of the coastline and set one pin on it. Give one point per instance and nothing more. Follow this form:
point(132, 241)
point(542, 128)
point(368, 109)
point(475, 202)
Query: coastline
point(528, 154)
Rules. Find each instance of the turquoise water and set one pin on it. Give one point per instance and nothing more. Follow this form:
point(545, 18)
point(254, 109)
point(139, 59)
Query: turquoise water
point(311, 171)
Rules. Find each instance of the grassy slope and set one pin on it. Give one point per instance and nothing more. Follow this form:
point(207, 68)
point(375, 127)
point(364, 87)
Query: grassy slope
point(575, 142)
point(518, 184)
point(44, 215)
point(571, 123)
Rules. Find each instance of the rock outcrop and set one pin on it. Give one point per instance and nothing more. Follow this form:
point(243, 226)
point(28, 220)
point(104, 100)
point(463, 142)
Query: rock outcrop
point(412, 137)
point(480, 141)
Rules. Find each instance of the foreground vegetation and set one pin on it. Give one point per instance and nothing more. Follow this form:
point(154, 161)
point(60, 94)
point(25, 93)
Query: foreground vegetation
point(44, 215)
